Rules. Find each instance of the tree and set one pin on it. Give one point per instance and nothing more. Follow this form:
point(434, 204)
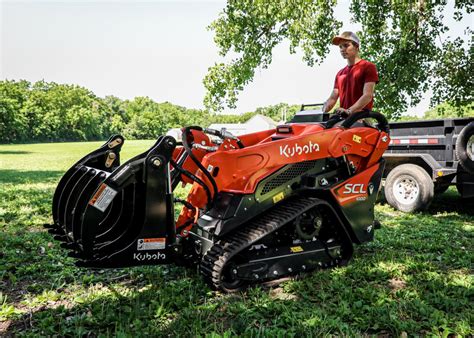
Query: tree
point(446, 110)
point(13, 123)
point(401, 37)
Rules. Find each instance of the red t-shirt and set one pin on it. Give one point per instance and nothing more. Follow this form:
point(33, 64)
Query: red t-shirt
point(350, 82)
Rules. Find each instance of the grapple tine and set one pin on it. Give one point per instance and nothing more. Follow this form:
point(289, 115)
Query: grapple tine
point(111, 225)
point(78, 203)
point(75, 254)
point(50, 226)
point(70, 246)
point(125, 227)
point(56, 231)
point(78, 189)
point(61, 238)
point(62, 195)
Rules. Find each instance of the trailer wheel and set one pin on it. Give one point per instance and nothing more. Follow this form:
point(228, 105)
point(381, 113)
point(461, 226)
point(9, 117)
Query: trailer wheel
point(465, 148)
point(408, 188)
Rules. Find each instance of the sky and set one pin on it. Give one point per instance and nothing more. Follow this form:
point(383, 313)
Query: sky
point(159, 49)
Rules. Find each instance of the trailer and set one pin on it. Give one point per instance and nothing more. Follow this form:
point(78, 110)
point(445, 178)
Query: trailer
point(424, 158)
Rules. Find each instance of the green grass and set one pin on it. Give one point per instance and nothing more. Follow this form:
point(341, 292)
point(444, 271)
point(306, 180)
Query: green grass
point(415, 278)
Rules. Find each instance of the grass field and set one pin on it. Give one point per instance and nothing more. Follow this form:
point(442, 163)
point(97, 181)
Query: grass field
point(415, 278)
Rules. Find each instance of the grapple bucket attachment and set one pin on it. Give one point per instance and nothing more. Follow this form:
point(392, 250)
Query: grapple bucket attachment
point(112, 215)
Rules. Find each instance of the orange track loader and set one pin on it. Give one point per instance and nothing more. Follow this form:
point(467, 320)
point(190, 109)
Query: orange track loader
point(262, 206)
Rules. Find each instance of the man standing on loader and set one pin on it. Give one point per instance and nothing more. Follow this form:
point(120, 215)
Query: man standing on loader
point(355, 83)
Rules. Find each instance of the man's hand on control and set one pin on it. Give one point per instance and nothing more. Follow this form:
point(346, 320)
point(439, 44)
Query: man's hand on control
point(343, 112)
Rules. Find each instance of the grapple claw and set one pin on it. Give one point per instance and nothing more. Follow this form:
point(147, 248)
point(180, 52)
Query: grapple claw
point(117, 215)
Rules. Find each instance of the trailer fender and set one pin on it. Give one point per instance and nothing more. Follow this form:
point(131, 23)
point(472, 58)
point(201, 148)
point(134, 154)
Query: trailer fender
point(426, 161)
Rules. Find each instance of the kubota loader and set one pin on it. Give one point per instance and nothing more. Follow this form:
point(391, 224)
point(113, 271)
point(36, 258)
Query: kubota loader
point(262, 206)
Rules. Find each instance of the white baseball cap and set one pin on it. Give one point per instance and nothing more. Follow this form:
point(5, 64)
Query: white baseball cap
point(348, 36)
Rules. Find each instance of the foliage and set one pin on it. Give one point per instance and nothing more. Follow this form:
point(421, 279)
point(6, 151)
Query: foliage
point(49, 111)
point(446, 110)
point(251, 29)
point(279, 111)
point(59, 112)
point(401, 37)
point(415, 279)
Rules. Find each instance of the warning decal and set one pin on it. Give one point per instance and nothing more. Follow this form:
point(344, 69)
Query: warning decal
point(151, 243)
point(103, 197)
point(278, 197)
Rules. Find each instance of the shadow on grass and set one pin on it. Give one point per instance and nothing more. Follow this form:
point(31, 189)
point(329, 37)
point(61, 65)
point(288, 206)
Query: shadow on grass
point(451, 201)
point(354, 301)
point(14, 152)
point(425, 247)
point(408, 280)
point(9, 176)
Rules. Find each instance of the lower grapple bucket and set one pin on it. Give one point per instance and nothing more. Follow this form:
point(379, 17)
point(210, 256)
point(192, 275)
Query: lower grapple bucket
point(112, 215)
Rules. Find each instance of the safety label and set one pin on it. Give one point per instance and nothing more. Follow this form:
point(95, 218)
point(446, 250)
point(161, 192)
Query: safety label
point(278, 197)
point(103, 197)
point(357, 138)
point(151, 243)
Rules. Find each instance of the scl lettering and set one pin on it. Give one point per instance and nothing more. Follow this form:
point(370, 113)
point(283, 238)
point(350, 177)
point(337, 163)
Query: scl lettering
point(354, 189)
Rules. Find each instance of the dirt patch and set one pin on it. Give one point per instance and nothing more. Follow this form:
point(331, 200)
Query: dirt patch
point(4, 325)
point(279, 293)
point(396, 284)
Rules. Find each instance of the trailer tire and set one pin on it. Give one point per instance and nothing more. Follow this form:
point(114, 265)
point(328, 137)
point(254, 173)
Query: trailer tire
point(409, 188)
point(465, 148)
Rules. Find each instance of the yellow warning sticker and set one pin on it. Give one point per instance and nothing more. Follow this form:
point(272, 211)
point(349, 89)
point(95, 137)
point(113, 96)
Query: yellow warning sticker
point(357, 138)
point(278, 197)
point(296, 249)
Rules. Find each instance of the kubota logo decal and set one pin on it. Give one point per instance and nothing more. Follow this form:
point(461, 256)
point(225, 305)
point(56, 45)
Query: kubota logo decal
point(141, 257)
point(296, 149)
point(357, 188)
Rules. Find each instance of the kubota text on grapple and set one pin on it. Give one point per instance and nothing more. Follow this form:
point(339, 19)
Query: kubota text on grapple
point(262, 206)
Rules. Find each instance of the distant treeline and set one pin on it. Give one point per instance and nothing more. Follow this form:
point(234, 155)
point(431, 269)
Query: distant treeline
point(47, 111)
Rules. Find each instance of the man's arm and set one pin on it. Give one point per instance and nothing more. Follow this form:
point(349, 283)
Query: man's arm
point(331, 101)
point(367, 95)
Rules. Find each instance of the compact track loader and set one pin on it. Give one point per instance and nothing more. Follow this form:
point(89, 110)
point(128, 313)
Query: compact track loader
point(262, 206)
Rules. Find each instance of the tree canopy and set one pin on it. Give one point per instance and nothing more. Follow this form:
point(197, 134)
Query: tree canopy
point(407, 40)
point(48, 111)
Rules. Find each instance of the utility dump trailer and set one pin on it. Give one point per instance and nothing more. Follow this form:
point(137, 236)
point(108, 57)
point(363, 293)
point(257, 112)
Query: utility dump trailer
point(423, 159)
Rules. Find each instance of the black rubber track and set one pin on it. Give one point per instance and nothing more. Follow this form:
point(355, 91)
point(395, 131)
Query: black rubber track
point(214, 262)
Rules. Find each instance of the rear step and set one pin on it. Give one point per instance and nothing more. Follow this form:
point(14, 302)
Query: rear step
point(112, 215)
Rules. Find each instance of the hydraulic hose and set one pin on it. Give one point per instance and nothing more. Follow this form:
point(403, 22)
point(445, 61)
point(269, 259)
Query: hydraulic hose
point(188, 149)
point(196, 179)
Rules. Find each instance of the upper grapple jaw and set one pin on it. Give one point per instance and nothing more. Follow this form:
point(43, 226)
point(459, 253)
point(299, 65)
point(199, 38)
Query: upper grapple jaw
point(112, 215)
